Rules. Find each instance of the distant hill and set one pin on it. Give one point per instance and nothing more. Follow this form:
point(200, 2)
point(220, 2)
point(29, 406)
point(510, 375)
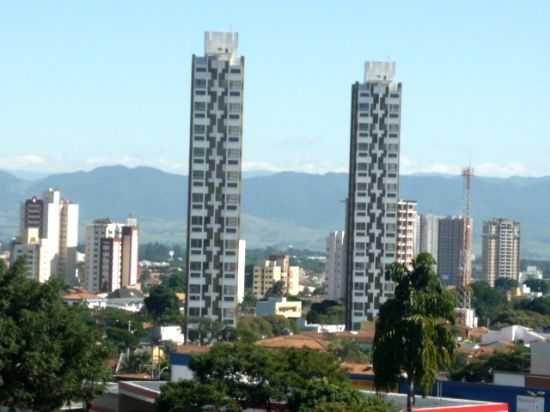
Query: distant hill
point(279, 208)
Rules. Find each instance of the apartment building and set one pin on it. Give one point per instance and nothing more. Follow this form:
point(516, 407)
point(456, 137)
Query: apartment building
point(500, 249)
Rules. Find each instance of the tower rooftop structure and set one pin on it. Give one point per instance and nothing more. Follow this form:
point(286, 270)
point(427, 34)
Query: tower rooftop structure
point(217, 43)
point(379, 71)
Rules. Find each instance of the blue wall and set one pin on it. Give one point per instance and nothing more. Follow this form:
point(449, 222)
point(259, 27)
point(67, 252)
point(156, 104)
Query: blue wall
point(474, 391)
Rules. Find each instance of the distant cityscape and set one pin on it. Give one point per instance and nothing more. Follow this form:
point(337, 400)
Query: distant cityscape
point(380, 228)
point(287, 323)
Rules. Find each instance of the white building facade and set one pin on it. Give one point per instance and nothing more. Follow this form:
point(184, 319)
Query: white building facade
point(406, 232)
point(373, 193)
point(111, 255)
point(214, 197)
point(427, 232)
point(335, 268)
point(48, 237)
point(500, 249)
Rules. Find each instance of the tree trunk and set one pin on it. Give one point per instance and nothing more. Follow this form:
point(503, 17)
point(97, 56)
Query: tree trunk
point(410, 396)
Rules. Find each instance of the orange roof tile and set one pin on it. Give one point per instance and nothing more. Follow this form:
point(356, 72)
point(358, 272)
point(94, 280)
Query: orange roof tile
point(296, 342)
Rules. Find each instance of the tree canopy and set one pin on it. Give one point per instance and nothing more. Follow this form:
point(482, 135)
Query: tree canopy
point(163, 305)
point(537, 285)
point(506, 284)
point(49, 355)
point(413, 329)
point(482, 369)
point(328, 312)
point(234, 376)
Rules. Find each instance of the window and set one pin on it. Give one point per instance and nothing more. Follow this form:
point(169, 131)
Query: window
point(359, 266)
point(199, 128)
point(360, 245)
point(361, 206)
point(232, 221)
point(362, 167)
point(391, 188)
point(200, 69)
point(361, 186)
point(197, 197)
point(230, 267)
point(359, 286)
point(390, 247)
point(232, 199)
point(364, 106)
point(196, 220)
point(360, 226)
point(234, 130)
point(392, 148)
point(235, 84)
point(194, 288)
point(198, 174)
point(234, 154)
point(231, 244)
point(196, 243)
point(195, 266)
point(235, 108)
point(390, 227)
point(363, 127)
point(194, 312)
point(235, 70)
point(200, 106)
point(394, 127)
point(392, 167)
point(233, 176)
point(394, 108)
point(363, 147)
point(358, 306)
point(229, 290)
point(391, 207)
point(200, 83)
point(198, 151)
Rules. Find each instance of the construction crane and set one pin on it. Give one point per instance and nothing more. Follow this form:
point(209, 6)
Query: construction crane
point(465, 273)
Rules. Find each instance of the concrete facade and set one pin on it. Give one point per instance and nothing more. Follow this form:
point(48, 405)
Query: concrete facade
point(501, 242)
point(373, 192)
point(214, 198)
point(335, 267)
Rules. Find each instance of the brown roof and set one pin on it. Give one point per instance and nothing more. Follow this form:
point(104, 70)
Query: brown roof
point(358, 368)
point(485, 350)
point(192, 349)
point(79, 294)
point(296, 342)
point(477, 333)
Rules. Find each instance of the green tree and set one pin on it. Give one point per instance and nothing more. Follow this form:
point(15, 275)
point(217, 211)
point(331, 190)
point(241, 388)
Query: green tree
point(482, 369)
point(348, 350)
point(277, 290)
point(185, 396)
point(209, 330)
point(163, 305)
point(487, 301)
point(49, 355)
point(175, 281)
point(506, 284)
point(326, 312)
point(137, 362)
point(537, 285)
point(413, 329)
point(121, 329)
point(251, 328)
point(238, 375)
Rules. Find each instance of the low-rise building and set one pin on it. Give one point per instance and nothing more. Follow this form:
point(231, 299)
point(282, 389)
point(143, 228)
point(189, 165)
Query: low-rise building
point(276, 269)
point(279, 306)
point(130, 300)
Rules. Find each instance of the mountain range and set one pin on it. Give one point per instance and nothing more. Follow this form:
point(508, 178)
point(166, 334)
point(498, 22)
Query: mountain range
point(279, 209)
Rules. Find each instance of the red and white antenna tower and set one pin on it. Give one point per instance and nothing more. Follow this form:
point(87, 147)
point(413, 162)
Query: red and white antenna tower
point(467, 252)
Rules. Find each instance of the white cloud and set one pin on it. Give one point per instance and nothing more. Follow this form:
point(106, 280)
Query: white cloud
point(23, 162)
point(409, 166)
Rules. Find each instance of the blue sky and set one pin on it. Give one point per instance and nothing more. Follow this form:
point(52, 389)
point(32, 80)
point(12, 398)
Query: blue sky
point(89, 83)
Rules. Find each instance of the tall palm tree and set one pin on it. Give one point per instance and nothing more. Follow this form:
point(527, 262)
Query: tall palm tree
point(414, 338)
